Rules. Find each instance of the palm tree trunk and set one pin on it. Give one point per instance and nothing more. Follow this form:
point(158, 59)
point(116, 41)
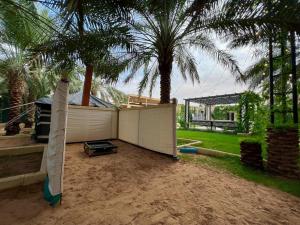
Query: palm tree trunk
point(89, 68)
point(15, 100)
point(30, 115)
point(165, 69)
point(87, 85)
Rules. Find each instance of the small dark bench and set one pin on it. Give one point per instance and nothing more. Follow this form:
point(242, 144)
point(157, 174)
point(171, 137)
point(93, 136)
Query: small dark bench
point(95, 148)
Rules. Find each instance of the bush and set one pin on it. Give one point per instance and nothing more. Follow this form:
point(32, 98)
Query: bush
point(253, 140)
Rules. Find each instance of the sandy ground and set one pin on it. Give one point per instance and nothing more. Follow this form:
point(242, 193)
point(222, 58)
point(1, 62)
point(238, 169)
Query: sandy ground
point(137, 186)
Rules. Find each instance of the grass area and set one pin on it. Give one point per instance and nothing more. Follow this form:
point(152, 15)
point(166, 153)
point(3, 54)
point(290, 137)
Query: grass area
point(231, 143)
point(233, 165)
point(215, 140)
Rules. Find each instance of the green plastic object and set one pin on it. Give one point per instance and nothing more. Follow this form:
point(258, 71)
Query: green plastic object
point(191, 150)
point(52, 199)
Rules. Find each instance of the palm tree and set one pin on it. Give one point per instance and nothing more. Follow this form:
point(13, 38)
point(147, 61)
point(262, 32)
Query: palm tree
point(41, 81)
point(266, 22)
point(95, 28)
point(63, 51)
point(13, 75)
point(12, 64)
point(17, 36)
point(164, 33)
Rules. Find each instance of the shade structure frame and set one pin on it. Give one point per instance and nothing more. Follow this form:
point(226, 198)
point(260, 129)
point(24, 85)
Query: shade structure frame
point(217, 99)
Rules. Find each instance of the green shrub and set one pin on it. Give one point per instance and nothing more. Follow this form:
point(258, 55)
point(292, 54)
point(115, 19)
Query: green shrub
point(253, 140)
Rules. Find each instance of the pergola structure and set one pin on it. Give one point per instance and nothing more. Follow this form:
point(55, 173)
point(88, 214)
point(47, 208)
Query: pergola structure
point(208, 102)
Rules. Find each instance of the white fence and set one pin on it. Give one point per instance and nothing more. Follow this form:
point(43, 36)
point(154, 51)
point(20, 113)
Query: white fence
point(91, 123)
point(152, 127)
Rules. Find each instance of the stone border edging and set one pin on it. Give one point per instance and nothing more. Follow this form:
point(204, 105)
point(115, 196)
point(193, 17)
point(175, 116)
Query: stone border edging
point(16, 140)
point(209, 152)
point(21, 180)
point(21, 150)
point(216, 153)
point(188, 144)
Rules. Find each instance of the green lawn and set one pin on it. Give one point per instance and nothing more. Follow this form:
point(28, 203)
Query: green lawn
point(230, 143)
point(215, 140)
point(232, 164)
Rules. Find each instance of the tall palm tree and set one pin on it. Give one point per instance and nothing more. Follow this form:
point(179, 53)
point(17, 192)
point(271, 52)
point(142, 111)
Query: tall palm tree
point(12, 64)
point(13, 70)
point(17, 36)
point(96, 28)
point(164, 34)
point(268, 23)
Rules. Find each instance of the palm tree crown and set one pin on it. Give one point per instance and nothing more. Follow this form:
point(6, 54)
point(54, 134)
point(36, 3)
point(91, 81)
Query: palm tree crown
point(165, 32)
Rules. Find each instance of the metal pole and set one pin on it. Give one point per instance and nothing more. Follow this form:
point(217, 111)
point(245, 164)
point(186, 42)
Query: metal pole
point(187, 113)
point(271, 71)
point(283, 80)
point(294, 78)
point(211, 123)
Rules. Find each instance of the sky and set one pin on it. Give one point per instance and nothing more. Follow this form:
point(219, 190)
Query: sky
point(214, 79)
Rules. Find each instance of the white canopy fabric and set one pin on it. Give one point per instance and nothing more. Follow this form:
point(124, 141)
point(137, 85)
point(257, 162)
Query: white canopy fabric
point(57, 138)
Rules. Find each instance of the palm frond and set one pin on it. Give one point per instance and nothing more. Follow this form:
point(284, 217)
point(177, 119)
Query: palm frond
point(203, 42)
point(186, 64)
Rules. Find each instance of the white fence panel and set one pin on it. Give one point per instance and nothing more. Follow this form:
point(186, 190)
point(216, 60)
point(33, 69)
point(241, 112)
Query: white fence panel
point(88, 124)
point(129, 126)
point(151, 127)
point(156, 129)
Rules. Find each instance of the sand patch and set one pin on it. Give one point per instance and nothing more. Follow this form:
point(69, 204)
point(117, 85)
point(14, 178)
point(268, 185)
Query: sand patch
point(137, 186)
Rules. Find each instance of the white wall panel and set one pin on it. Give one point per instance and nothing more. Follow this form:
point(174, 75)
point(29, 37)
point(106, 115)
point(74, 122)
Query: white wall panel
point(129, 126)
point(152, 127)
point(87, 124)
point(156, 130)
point(114, 124)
